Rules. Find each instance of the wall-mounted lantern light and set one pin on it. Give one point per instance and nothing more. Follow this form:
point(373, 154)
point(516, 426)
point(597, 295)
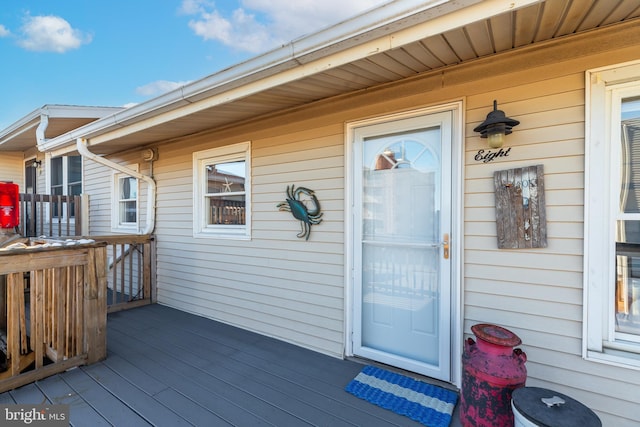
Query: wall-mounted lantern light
point(36, 164)
point(496, 126)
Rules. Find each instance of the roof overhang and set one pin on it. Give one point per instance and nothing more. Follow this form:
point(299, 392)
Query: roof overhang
point(387, 44)
point(21, 135)
point(186, 110)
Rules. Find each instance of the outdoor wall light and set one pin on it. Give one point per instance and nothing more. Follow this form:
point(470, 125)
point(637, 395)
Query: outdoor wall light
point(36, 164)
point(496, 126)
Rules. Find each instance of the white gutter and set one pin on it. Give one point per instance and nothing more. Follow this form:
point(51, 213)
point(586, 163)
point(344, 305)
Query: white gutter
point(81, 145)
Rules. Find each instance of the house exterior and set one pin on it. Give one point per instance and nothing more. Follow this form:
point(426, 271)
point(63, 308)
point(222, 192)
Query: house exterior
point(36, 172)
point(18, 142)
point(375, 118)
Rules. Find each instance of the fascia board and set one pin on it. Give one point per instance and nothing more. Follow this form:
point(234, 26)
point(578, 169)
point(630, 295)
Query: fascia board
point(26, 123)
point(77, 111)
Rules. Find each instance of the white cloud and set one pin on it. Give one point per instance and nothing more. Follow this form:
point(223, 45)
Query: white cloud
point(3, 31)
point(51, 34)
point(158, 87)
point(192, 7)
point(260, 25)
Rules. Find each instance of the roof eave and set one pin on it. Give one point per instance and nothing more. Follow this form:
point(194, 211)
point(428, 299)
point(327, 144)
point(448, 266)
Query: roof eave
point(380, 29)
point(31, 121)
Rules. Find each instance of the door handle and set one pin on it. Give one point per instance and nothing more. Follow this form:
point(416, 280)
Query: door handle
point(445, 246)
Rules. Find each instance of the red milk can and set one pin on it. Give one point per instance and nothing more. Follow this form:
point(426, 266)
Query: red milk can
point(491, 370)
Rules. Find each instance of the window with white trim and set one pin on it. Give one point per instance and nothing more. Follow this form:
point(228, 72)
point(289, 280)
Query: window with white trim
point(612, 221)
point(221, 196)
point(65, 180)
point(125, 206)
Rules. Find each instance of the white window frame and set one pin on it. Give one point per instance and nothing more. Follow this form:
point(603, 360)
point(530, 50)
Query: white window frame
point(605, 87)
point(229, 153)
point(117, 225)
point(65, 178)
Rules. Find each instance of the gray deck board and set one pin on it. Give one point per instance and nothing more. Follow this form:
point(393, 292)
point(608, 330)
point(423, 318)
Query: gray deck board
point(30, 393)
point(206, 395)
point(190, 410)
point(308, 384)
point(6, 399)
point(80, 412)
point(287, 394)
point(146, 406)
point(108, 405)
point(168, 367)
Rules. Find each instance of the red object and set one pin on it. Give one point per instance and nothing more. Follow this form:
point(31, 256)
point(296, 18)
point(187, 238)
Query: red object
point(9, 205)
point(491, 370)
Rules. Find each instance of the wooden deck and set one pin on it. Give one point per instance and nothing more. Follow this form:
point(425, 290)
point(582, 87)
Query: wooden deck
point(166, 367)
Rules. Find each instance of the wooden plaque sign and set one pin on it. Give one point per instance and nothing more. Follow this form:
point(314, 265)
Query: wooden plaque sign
point(521, 218)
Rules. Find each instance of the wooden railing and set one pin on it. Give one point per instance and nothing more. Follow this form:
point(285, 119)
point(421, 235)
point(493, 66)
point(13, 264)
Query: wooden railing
point(57, 319)
point(49, 215)
point(131, 270)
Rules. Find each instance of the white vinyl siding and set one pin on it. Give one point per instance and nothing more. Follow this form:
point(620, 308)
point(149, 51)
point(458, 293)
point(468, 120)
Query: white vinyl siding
point(291, 289)
point(538, 293)
point(276, 283)
point(12, 168)
point(99, 185)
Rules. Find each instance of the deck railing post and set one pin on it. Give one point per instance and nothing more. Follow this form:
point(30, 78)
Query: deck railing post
point(95, 305)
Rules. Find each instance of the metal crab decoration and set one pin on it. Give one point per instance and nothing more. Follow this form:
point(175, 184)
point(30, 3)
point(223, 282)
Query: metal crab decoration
point(297, 198)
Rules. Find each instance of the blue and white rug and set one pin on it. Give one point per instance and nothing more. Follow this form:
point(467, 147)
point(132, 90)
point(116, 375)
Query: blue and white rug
point(426, 403)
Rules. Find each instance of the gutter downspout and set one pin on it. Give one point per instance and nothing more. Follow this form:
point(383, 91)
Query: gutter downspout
point(42, 127)
point(81, 145)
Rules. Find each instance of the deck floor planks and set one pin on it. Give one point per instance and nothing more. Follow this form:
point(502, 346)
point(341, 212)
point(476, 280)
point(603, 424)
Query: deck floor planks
point(106, 404)
point(203, 396)
point(324, 375)
point(126, 369)
point(316, 399)
point(6, 399)
point(282, 393)
point(314, 369)
point(190, 410)
point(201, 372)
point(271, 350)
point(80, 412)
point(147, 407)
point(231, 388)
point(29, 393)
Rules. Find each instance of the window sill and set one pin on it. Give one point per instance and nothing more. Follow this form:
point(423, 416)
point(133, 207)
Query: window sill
point(128, 230)
point(629, 359)
point(221, 235)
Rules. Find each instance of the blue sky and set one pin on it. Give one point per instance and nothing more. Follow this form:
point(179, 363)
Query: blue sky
point(122, 52)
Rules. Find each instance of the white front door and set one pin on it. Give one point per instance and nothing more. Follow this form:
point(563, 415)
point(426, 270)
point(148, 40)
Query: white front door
point(401, 231)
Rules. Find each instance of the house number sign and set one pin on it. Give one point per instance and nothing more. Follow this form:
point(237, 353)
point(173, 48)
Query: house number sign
point(486, 156)
point(521, 218)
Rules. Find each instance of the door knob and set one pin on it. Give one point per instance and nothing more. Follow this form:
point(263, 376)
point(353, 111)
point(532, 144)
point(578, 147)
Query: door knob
point(445, 246)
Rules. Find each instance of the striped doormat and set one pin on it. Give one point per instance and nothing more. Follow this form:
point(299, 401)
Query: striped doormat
point(426, 403)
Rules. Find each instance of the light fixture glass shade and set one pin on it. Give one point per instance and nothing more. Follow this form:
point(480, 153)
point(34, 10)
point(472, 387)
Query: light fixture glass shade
point(496, 140)
point(495, 135)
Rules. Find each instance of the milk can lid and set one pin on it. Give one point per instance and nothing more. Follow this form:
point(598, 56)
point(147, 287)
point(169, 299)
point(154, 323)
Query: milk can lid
point(547, 408)
point(495, 334)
